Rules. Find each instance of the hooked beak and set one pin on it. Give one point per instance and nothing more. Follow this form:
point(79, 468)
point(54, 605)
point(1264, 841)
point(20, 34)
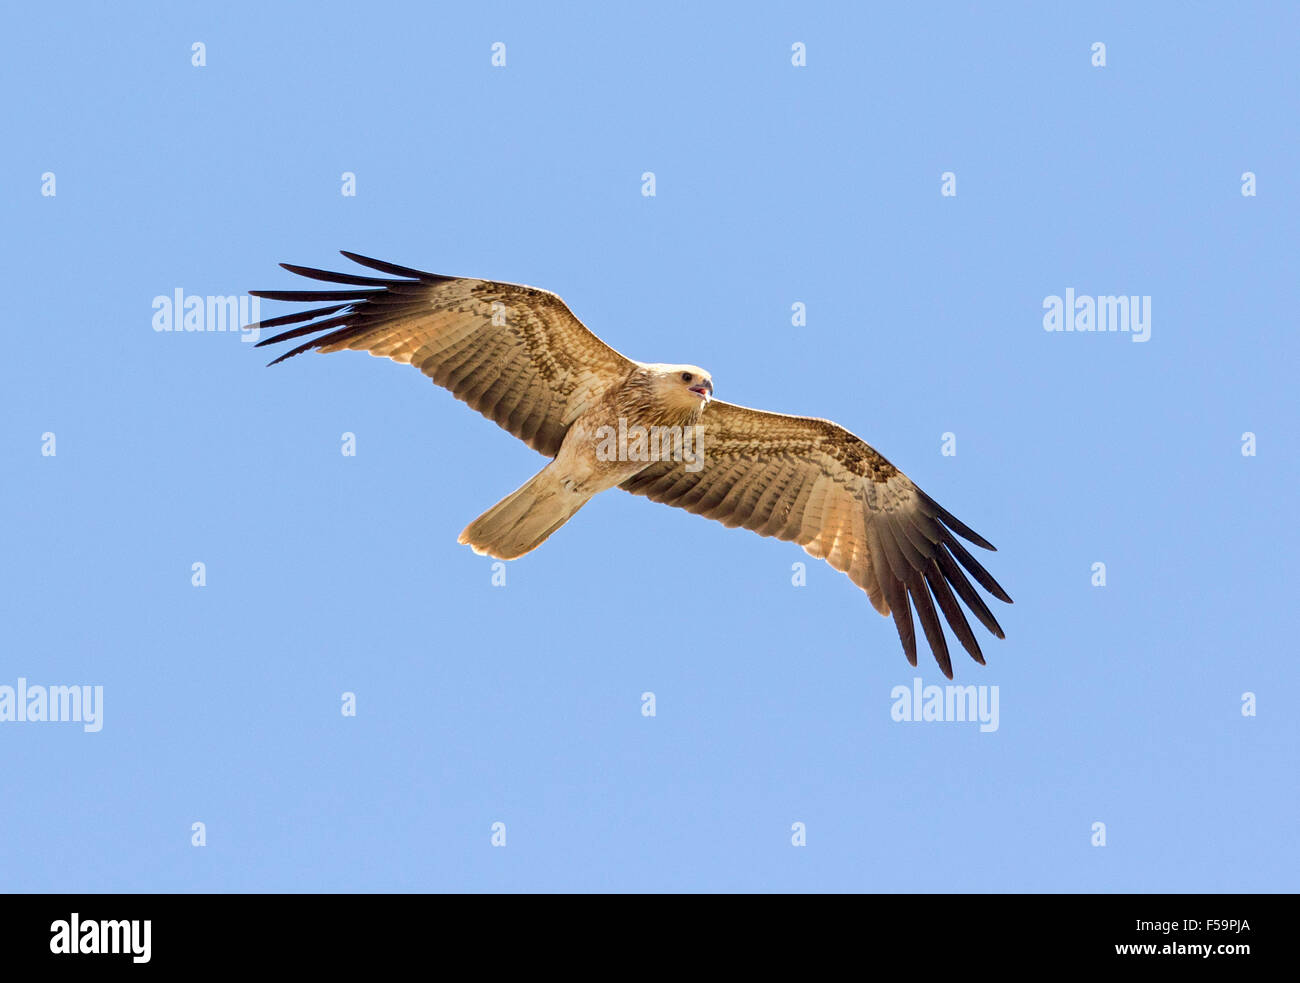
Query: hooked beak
point(704, 390)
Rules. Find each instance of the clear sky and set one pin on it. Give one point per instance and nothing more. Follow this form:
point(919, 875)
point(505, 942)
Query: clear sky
point(775, 185)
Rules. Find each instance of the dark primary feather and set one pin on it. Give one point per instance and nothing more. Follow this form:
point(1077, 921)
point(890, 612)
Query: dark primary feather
point(314, 274)
point(392, 268)
point(305, 295)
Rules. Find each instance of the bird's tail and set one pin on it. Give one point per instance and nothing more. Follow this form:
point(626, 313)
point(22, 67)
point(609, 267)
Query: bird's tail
point(521, 521)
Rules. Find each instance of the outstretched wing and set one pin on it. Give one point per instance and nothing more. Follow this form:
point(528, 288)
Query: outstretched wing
point(813, 482)
point(516, 354)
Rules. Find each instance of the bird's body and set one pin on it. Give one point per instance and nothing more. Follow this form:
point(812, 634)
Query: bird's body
point(519, 356)
point(649, 398)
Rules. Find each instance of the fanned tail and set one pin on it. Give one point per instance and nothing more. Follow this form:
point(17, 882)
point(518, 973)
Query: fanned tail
point(522, 521)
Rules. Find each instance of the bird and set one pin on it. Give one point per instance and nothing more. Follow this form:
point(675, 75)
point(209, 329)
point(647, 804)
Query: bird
point(519, 356)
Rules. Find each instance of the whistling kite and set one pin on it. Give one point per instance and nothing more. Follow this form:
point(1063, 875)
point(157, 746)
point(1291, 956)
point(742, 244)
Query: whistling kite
point(520, 357)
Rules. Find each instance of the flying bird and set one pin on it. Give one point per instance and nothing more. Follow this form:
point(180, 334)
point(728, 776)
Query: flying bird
point(520, 357)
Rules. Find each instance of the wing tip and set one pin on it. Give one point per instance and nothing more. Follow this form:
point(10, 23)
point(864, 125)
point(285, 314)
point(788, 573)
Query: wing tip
point(393, 269)
point(955, 524)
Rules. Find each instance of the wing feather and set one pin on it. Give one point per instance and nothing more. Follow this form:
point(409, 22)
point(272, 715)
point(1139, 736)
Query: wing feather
point(811, 481)
point(516, 354)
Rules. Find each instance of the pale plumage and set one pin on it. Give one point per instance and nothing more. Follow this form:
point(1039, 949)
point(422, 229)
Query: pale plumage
point(520, 357)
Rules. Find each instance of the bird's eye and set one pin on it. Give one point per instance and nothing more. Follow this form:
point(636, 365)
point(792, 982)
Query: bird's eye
point(686, 377)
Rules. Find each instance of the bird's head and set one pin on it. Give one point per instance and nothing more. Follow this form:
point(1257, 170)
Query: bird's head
point(687, 386)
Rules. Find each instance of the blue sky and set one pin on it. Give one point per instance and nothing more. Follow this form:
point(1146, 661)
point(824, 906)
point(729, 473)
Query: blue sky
point(521, 704)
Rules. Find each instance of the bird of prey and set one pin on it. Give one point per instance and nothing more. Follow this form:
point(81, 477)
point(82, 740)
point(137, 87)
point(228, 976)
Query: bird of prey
point(520, 357)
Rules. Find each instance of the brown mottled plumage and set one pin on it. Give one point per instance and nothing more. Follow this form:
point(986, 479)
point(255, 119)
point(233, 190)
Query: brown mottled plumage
point(519, 356)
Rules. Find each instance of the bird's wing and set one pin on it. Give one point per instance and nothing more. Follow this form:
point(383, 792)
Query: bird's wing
point(813, 482)
point(516, 354)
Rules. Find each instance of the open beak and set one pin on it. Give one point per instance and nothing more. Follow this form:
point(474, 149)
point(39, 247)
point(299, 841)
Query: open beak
point(703, 390)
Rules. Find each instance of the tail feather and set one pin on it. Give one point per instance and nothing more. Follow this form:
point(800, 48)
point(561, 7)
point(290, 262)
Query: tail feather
point(522, 521)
